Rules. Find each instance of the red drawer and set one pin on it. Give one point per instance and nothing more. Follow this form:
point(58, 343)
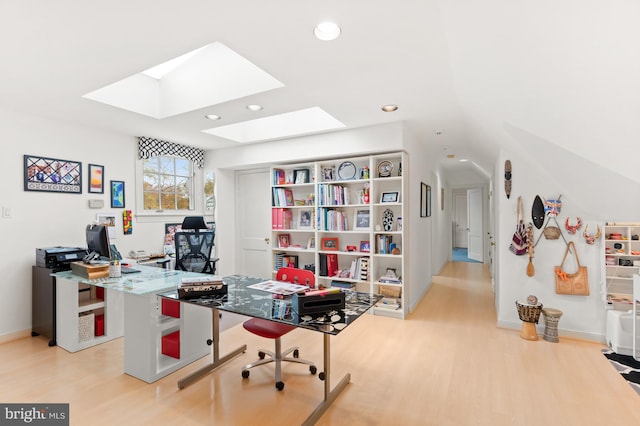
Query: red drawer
point(171, 345)
point(170, 308)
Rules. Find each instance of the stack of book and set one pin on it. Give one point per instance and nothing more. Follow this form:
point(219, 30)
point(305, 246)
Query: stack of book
point(201, 286)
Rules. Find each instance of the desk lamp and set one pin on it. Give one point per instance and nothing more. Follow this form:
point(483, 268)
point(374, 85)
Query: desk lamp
point(194, 222)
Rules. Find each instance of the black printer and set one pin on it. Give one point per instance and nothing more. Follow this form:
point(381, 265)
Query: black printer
point(59, 258)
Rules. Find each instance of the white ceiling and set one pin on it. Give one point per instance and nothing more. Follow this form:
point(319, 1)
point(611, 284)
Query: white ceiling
point(464, 74)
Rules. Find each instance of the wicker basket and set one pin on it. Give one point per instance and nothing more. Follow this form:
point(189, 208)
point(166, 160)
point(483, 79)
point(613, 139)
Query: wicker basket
point(390, 291)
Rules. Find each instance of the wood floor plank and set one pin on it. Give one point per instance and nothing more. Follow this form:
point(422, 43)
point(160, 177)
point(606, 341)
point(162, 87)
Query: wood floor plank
point(446, 364)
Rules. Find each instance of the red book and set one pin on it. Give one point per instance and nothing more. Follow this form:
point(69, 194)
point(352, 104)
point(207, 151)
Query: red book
point(332, 264)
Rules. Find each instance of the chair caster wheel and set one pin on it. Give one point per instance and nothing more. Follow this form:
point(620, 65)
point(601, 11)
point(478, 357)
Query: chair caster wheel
point(245, 374)
point(313, 369)
point(296, 353)
point(321, 376)
point(261, 355)
point(279, 385)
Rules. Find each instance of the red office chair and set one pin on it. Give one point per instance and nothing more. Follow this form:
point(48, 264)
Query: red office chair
point(275, 330)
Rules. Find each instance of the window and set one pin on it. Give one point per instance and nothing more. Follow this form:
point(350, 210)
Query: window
point(168, 183)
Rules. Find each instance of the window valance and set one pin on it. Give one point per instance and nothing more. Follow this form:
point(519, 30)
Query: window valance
point(150, 147)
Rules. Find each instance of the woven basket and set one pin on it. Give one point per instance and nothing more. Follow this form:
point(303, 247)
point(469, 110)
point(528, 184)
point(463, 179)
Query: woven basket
point(551, 233)
point(390, 291)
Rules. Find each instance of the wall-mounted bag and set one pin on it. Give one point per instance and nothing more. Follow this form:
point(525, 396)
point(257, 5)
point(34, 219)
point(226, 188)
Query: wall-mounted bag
point(574, 284)
point(519, 243)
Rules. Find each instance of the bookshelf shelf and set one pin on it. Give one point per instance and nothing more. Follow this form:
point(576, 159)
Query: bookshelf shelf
point(347, 209)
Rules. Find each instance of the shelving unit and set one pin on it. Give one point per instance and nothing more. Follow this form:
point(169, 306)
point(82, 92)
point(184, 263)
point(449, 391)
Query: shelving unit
point(355, 204)
point(621, 261)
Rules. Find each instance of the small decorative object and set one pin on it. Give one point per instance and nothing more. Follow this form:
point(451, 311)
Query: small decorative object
point(572, 229)
point(365, 195)
point(387, 220)
point(519, 244)
point(329, 244)
point(284, 240)
point(551, 232)
point(537, 212)
point(532, 300)
point(52, 175)
point(591, 239)
point(364, 172)
point(96, 179)
point(395, 250)
point(385, 168)
point(399, 169)
point(553, 207)
point(352, 248)
point(635, 237)
point(347, 171)
point(328, 173)
point(365, 247)
point(301, 176)
point(507, 178)
point(399, 223)
point(117, 194)
point(127, 227)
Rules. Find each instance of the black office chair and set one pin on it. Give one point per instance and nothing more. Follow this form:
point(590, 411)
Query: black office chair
point(194, 247)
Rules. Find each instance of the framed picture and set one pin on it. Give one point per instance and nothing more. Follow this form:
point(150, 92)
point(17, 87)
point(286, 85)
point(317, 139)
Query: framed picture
point(365, 247)
point(117, 194)
point(362, 219)
point(390, 197)
point(96, 179)
point(109, 220)
point(52, 175)
point(425, 200)
point(328, 173)
point(305, 219)
point(301, 176)
point(284, 240)
point(311, 243)
point(329, 244)
point(441, 198)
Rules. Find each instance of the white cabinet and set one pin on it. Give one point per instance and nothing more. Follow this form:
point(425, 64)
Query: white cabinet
point(343, 219)
point(621, 255)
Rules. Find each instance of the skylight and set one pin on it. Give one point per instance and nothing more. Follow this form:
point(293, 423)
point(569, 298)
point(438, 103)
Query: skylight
point(204, 77)
point(305, 121)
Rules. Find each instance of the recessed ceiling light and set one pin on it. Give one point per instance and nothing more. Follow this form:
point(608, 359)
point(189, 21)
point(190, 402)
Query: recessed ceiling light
point(390, 108)
point(254, 107)
point(327, 31)
point(463, 160)
point(212, 117)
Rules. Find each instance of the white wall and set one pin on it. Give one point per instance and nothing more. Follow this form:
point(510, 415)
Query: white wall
point(43, 219)
point(591, 192)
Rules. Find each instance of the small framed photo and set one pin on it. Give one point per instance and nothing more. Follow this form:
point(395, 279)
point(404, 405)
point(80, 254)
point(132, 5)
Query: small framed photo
point(329, 244)
point(284, 240)
point(365, 247)
point(311, 243)
point(305, 219)
point(328, 173)
point(301, 176)
point(117, 194)
point(362, 219)
point(390, 197)
point(96, 179)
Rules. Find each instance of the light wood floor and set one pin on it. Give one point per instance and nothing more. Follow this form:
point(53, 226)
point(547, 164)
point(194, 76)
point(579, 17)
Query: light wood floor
point(447, 364)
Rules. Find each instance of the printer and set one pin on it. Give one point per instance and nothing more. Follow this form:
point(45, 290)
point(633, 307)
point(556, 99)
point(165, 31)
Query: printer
point(59, 258)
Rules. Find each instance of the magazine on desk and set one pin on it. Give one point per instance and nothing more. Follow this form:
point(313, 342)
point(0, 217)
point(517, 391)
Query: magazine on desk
point(279, 287)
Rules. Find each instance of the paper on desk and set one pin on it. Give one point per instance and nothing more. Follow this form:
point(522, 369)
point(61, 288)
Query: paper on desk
point(279, 287)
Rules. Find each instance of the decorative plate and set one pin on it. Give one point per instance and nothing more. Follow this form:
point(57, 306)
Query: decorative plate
point(347, 170)
point(387, 220)
point(385, 168)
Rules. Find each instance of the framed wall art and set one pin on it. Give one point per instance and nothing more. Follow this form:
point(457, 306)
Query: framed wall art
point(425, 200)
point(96, 179)
point(52, 175)
point(117, 194)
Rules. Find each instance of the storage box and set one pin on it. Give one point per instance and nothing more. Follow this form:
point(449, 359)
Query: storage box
point(85, 326)
point(99, 326)
point(170, 308)
point(171, 345)
point(304, 304)
point(90, 271)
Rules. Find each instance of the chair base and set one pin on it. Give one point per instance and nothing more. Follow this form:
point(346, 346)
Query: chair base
point(278, 357)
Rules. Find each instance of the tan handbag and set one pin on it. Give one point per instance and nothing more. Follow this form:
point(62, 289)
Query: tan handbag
point(575, 284)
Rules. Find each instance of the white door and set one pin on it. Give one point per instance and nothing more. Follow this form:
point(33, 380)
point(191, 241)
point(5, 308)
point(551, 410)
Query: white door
point(461, 220)
point(253, 221)
point(474, 203)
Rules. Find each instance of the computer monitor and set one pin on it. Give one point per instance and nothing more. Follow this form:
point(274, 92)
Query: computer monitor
point(98, 241)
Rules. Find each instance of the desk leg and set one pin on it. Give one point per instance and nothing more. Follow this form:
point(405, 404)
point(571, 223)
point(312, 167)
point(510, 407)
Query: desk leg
point(217, 361)
point(329, 395)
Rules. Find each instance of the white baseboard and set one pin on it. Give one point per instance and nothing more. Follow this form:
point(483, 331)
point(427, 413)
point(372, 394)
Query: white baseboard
point(9, 337)
point(562, 332)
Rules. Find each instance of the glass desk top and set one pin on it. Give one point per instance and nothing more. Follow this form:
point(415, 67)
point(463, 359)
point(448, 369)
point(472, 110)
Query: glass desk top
point(149, 280)
point(241, 299)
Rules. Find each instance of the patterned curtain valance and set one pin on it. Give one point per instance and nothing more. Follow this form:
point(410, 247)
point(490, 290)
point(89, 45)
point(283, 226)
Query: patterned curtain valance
point(150, 147)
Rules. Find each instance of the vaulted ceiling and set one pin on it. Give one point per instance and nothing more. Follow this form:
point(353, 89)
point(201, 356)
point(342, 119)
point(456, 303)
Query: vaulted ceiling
point(468, 77)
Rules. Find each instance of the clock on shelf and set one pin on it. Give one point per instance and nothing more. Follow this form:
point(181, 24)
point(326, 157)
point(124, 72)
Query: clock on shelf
point(384, 168)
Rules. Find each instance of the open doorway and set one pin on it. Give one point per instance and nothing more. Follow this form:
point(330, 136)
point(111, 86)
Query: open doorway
point(467, 218)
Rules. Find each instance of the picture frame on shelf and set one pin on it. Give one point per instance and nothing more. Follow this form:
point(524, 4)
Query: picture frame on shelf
point(305, 220)
point(284, 240)
point(362, 219)
point(117, 194)
point(96, 179)
point(329, 243)
point(425, 200)
point(301, 176)
point(311, 243)
point(390, 197)
point(328, 173)
point(365, 246)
